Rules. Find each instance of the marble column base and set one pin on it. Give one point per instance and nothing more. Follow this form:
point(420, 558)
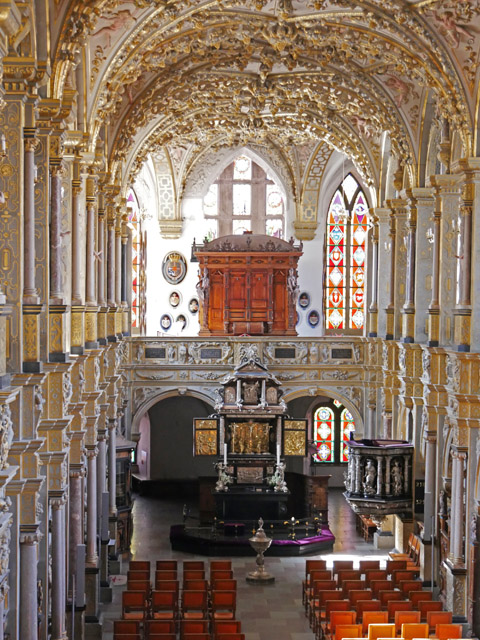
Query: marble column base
point(92, 592)
point(78, 623)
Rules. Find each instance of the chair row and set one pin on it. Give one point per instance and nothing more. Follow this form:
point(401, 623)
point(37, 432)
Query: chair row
point(192, 579)
point(166, 605)
point(367, 568)
point(343, 624)
point(363, 603)
point(411, 553)
point(169, 565)
point(167, 630)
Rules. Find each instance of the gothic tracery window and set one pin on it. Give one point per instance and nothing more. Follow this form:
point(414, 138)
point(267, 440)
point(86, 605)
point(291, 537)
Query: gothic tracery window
point(332, 426)
point(345, 259)
point(244, 198)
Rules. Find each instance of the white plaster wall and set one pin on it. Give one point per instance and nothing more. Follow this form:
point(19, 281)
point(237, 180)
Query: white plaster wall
point(310, 269)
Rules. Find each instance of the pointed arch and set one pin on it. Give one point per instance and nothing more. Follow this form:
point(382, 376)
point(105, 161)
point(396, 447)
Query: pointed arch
point(345, 259)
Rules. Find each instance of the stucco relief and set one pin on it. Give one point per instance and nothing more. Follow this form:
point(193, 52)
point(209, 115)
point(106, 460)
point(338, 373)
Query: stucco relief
point(6, 434)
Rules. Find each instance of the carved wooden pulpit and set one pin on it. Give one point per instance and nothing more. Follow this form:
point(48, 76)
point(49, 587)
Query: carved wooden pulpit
point(248, 285)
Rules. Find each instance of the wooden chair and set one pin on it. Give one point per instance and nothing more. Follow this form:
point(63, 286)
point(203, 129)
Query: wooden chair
point(406, 586)
point(221, 574)
point(375, 574)
point(347, 574)
point(380, 585)
point(196, 636)
point(416, 596)
point(314, 590)
point(194, 605)
point(196, 585)
point(193, 574)
point(193, 626)
point(223, 605)
point(373, 617)
point(412, 630)
point(405, 616)
point(404, 574)
point(220, 565)
point(444, 631)
point(155, 627)
point(226, 626)
point(355, 595)
point(366, 565)
point(438, 617)
point(338, 618)
point(351, 585)
point(426, 606)
point(139, 565)
point(398, 605)
point(122, 627)
point(164, 605)
point(166, 574)
point(140, 585)
point(134, 605)
point(167, 585)
point(311, 565)
point(342, 565)
point(347, 631)
point(166, 565)
point(230, 636)
point(405, 554)
point(388, 595)
point(363, 606)
point(320, 574)
point(381, 631)
point(162, 636)
point(193, 565)
point(318, 608)
point(393, 565)
point(128, 636)
point(224, 585)
point(138, 575)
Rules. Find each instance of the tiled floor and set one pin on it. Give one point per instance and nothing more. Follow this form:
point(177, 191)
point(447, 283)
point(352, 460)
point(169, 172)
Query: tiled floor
point(271, 612)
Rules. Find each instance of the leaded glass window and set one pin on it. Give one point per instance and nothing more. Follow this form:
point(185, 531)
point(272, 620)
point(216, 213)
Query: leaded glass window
point(345, 259)
point(332, 426)
point(243, 199)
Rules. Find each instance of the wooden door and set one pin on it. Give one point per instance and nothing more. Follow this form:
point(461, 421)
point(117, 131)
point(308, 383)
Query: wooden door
point(280, 307)
point(259, 296)
point(237, 296)
point(216, 302)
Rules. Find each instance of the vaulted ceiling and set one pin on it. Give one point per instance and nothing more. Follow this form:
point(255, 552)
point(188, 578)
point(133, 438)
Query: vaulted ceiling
point(204, 73)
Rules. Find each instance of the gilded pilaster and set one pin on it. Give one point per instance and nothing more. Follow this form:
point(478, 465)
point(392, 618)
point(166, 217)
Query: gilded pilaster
point(78, 248)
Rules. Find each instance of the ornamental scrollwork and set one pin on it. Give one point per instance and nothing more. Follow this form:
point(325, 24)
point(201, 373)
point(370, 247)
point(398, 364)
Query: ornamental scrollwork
point(6, 434)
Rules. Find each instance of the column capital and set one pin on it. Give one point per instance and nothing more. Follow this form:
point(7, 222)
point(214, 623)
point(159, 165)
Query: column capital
point(58, 501)
point(30, 534)
point(91, 452)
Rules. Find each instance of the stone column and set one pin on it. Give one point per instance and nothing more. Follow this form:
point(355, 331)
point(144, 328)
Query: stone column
point(408, 311)
point(118, 261)
point(390, 310)
point(28, 605)
point(430, 475)
point(457, 546)
point(58, 566)
point(111, 261)
point(101, 471)
point(112, 465)
point(56, 276)
point(384, 245)
point(379, 476)
point(30, 293)
point(434, 308)
point(77, 235)
point(101, 258)
point(91, 294)
point(92, 555)
point(76, 507)
point(463, 309)
point(373, 308)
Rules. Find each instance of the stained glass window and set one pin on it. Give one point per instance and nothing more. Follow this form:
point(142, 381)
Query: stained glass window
point(345, 258)
point(332, 426)
point(244, 198)
point(347, 426)
point(134, 224)
point(324, 434)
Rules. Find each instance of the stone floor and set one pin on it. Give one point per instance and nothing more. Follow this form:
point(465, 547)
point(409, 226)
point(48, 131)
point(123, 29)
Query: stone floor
point(272, 612)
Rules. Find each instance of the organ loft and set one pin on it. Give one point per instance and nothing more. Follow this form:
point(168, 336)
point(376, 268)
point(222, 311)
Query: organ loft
point(238, 280)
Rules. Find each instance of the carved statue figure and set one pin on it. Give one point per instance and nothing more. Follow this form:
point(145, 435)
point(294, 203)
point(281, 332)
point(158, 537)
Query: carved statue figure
point(203, 284)
point(292, 286)
point(369, 478)
point(278, 478)
point(397, 479)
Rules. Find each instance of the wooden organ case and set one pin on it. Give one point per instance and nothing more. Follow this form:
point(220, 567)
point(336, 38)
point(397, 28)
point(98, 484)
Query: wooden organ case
point(248, 284)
